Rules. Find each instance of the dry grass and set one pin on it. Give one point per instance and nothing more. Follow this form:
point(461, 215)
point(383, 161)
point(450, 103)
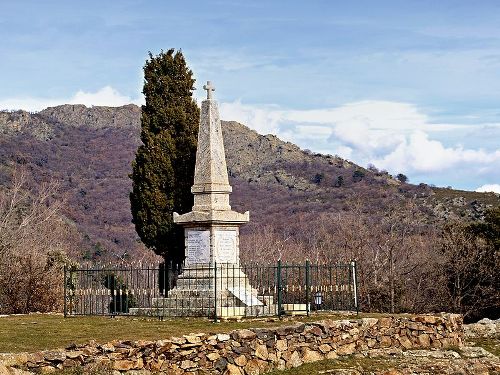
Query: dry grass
point(368, 365)
point(28, 333)
point(490, 344)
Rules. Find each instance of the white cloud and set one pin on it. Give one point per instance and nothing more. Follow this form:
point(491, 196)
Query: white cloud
point(106, 96)
point(495, 188)
point(263, 119)
point(421, 154)
point(394, 136)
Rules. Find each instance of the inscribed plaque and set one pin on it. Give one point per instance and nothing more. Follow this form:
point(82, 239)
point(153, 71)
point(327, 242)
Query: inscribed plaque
point(225, 245)
point(198, 246)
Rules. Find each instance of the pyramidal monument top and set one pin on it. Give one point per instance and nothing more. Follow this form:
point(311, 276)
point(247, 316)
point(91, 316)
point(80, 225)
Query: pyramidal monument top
point(211, 187)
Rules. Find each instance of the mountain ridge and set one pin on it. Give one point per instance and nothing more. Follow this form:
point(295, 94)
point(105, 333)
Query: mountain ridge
point(89, 150)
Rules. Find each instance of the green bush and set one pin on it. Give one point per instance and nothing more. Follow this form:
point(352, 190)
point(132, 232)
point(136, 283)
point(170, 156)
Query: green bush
point(121, 298)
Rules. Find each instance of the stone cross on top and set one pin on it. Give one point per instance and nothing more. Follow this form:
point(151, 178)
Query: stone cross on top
point(209, 89)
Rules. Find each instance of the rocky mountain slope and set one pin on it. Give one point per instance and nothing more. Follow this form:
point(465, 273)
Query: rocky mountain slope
point(89, 152)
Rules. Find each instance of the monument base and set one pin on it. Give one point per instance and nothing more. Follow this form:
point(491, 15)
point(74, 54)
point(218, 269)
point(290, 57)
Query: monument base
point(203, 290)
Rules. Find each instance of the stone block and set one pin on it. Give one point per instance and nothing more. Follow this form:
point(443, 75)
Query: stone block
point(255, 367)
point(346, 349)
point(220, 364)
point(424, 340)
point(243, 334)
point(309, 355)
point(385, 322)
point(213, 356)
point(232, 370)
point(281, 345)
point(324, 348)
point(294, 360)
point(123, 365)
point(54, 356)
point(385, 341)
point(261, 352)
point(192, 339)
point(331, 355)
point(70, 363)
point(241, 360)
point(3, 369)
point(74, 354)
point(368, 322)
point(14, 359)
point(188, 364)
point(223, 337)
point(405, 342)
point(314, 330)
point(47, 370)
point(273, 357)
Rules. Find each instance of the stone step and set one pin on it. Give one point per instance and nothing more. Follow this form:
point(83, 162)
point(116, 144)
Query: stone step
point(183, 303)
point(222, 312)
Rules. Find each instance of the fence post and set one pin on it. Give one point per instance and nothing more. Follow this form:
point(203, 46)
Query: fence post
point(215, 291)
point(308, 284)
point(166, 277)
point(65, 292)
point(355, 285)
point(278, 275)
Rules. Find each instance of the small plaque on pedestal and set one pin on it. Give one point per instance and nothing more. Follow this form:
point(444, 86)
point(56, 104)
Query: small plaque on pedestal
point(226, 246)
point(198, 246)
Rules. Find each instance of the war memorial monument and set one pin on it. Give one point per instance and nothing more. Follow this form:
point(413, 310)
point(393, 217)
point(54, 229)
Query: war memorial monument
point(212, 280)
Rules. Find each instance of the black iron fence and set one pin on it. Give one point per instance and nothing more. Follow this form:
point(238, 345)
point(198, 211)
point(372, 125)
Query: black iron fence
point(215, 290)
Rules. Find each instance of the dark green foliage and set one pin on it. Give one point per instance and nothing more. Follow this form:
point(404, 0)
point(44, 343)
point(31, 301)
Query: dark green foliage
point(490, 228)
point(402, 178)
point(163, 169)
point(95, 253)
point(340, 181)
point(121, 298)
point(318, 177)
point(358, 175)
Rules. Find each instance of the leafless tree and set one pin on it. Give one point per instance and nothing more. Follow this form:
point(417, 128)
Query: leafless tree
point(33, 244)
point(470, 267)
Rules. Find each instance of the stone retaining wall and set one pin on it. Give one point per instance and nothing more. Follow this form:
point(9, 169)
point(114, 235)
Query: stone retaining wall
point(254, 351)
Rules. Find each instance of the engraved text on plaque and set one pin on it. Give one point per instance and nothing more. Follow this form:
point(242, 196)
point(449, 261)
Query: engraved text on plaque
point(198, 246)
point(225, 243)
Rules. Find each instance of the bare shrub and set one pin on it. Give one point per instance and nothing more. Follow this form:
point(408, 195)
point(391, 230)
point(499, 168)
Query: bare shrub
point(33, 243)
point(395, 251)
point(470, 267)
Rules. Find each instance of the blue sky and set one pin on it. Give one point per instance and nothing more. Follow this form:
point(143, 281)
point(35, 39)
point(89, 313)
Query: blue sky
point(410, 86)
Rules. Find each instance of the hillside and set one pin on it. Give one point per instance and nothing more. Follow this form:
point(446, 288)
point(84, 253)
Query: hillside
point(89, 152)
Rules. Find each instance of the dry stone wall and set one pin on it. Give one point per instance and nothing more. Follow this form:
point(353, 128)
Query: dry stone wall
point(254, 351)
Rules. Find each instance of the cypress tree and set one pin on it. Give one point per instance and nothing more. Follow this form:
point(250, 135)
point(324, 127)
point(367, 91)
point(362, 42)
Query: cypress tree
point(163, 169)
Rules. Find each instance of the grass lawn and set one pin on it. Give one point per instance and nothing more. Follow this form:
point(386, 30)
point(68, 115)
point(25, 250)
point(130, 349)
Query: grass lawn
point(490, 344)
point(29, 333)
point(324, 367)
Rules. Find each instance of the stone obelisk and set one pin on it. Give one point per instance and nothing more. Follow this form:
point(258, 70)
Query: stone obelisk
point(211, 228)
point(211, 279)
